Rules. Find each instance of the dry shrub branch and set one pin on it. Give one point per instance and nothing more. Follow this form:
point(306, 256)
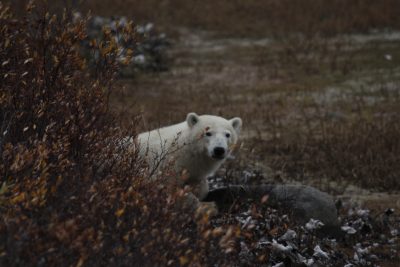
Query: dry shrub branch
point(69, 195)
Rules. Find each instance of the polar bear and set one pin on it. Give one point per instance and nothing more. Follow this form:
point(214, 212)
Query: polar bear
point(195, 148)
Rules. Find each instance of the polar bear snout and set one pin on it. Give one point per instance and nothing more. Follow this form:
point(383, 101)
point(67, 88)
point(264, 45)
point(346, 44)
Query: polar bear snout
point(219, 152)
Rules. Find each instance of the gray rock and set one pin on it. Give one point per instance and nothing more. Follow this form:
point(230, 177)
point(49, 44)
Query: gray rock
point(300, 201)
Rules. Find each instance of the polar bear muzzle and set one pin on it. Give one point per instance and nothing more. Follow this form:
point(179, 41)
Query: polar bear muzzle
point(219, 152)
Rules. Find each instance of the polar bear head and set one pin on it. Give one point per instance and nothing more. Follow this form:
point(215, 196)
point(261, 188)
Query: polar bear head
point(214, 136)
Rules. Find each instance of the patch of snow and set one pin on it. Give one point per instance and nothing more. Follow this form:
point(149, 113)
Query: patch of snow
point(289, 235)
point(349, 230)
point(313, 225)
point(319, 253)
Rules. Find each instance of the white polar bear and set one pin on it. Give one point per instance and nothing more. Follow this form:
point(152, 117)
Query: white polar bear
point(195, 148)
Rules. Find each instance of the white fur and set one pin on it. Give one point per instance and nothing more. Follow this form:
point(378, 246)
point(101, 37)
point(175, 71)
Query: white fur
point(188, 148)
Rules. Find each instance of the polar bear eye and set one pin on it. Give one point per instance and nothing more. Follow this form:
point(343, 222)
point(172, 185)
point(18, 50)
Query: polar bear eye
point(208, 133)
point(228, 135)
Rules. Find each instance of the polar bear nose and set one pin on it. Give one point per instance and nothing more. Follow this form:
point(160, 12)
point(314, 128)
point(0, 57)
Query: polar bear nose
point(219, 152)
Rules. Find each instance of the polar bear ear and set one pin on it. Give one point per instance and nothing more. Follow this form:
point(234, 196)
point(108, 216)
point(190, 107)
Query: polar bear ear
point(236, 124)
point(192, 118)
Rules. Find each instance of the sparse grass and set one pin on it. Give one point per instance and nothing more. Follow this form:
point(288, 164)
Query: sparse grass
point(259, 18)
point(306, 125)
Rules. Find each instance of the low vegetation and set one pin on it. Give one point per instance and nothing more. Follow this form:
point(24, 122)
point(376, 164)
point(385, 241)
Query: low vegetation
point(316, 105)
point(260, 18)
point(65, 198)
point(318, 92)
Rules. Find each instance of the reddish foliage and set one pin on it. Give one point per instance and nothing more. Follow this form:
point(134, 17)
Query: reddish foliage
point(65, 199)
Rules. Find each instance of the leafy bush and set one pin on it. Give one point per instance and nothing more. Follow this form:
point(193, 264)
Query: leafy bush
point(69, 195)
